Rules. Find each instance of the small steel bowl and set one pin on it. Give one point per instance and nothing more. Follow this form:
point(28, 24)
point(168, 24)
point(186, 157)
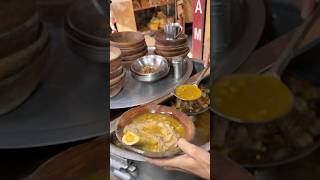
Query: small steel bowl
point(159, 63)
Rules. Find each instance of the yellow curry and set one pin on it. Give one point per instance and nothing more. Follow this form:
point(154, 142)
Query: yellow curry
point(153, 132)
point(251, 97)
point(188, 92)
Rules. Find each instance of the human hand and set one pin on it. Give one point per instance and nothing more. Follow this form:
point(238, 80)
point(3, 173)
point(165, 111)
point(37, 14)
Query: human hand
point(307, 7)
point(195, 160)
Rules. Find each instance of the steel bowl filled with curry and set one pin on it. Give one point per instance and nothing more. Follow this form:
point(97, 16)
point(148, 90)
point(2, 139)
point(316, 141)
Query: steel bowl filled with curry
point(154, 130)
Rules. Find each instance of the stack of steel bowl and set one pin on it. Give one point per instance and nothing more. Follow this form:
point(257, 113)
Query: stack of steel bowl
point(23, 49)
point(150, 68)
point(117, 72)
point(171, 48)
point(88, 41)
point(132, 45)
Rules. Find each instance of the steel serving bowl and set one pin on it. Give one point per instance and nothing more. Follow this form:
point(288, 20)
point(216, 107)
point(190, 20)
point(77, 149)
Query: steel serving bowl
point(158, 63)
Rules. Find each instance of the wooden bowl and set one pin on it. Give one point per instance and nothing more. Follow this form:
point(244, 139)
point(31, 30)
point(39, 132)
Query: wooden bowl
point(165, 47)
point(129, 116)
point(161, 39)
point(19, 37)
point(84, 161)
point(115, 64)
point(143, 43)
point(15, 89)
point(171, 53)
point(115, 53)
point(117, 79)
point(13, 13)
point(116, 73)
point(171, 48)
point(115, 58)
point(135, 57)
point(134, 50)
point(126, 39)
point(115, 89)
point(169, 58)
point(18, 60)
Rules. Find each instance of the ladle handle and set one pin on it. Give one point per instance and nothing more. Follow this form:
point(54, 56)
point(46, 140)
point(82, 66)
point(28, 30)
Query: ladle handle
point(201, 75)
point(285, 57)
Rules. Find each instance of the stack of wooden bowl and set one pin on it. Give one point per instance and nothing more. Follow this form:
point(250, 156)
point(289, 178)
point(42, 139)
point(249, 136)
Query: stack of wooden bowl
point(132, 45)
point(23, 49)
point(88, 41)
point(117, 72)
point(171, 48)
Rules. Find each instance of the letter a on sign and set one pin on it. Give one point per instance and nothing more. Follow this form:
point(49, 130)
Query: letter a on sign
point(198, 7)
point(198, 27)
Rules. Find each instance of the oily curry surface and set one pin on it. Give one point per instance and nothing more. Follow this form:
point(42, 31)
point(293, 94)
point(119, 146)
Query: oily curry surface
point(153, 132)
point(188, 92)
point(251, 97)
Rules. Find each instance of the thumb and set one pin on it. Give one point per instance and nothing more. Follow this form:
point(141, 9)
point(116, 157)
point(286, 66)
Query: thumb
point(194, 151)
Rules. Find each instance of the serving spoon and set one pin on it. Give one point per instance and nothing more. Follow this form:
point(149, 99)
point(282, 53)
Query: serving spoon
point(273, 76)
point(194, 86)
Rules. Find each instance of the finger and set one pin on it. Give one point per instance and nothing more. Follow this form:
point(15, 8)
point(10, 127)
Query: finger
point(307, 7)
point(194, 151)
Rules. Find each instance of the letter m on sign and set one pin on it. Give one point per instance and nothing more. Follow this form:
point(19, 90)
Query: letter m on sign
point(199, 7)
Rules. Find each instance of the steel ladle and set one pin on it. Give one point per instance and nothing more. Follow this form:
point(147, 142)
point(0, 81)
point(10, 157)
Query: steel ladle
point(281, 63)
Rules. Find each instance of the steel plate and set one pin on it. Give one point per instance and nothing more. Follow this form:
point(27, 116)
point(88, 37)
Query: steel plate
point(68, 106)
point(136, 93)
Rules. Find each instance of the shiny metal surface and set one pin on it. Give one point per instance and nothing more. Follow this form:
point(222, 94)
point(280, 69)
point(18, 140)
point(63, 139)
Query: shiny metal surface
point(156, 62)
point(135, 93)
point(178, 64)
point(248, 16)
point(69, 105)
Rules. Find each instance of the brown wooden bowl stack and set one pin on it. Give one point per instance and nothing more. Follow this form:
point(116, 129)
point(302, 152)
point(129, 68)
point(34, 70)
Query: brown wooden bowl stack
point(117, 72)
point(21, 72)
point(132, 45)
point(23, 51)
point(171, 48)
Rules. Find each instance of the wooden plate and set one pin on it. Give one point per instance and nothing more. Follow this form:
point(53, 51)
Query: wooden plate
point(19, 37)
point(126, 39)
point(115, 53)
point(172, 54)
point(117, 79)
point(115, 64)
point(15, 62)
point(135, 57)
point(115, 89)
point(133, 51)
point(171, 48)
point(160, 46)
point(85, 161)
point(143, 43)
point(116, 73)
point(15, 89)
point(161, 39)
point(129, 116)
